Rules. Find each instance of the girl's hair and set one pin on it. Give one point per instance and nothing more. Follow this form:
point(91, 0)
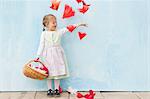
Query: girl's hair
point(46, 20)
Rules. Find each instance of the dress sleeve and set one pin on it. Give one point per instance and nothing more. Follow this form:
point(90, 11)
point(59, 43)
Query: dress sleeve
point(63, 31)
point(41, 45)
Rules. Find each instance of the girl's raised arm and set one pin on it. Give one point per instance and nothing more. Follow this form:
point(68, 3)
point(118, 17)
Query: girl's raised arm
point(64, 30)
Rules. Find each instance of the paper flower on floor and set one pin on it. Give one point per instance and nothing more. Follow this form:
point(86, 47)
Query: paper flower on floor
point(81, 35)
point(71, 28)
point(71, 90)
point(79, 95)
point(85, 8)
point(60, 89)
point(55, 4)
point(68, 12)
point(89, 95)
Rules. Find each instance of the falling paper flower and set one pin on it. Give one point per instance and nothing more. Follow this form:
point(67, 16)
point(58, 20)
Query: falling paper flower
point(85, 3)
point(71, 27)
point(68, 12)
point(55, 4)
point(79, 1)
point(81, 35)
point(85, 8)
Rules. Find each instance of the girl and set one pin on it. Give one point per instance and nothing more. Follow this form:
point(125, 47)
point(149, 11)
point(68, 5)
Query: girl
point(52, 52)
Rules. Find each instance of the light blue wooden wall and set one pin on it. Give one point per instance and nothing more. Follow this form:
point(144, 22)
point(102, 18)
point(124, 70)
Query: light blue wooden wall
point(114, 56)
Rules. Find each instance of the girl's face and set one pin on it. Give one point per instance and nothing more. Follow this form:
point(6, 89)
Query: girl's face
point(52, 24)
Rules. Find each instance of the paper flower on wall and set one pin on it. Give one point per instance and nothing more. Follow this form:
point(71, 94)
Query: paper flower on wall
point(71, 28)
point(81, 35)
point(55, 4)
point(68, 12)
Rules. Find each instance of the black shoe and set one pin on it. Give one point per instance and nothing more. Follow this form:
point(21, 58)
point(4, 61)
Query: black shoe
point(56, 92)
point(50, 92)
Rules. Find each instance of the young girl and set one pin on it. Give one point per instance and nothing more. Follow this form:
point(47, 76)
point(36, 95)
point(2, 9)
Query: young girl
point(53, 54)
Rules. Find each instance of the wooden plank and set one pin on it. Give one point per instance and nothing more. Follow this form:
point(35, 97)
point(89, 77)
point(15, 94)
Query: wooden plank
point(27, 95)
point(5, 95)
point(119, 95)
point(97, 96)
point(42, 95)
point(64, 95)
point(143, 95)
point(17, 95)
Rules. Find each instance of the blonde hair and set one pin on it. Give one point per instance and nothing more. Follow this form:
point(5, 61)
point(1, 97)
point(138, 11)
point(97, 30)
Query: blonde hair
point(46, 20)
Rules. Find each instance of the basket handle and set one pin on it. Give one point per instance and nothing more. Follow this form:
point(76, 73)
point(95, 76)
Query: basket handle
point(37, 60)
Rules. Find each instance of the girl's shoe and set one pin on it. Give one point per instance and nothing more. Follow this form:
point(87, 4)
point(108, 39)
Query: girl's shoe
point(56, 92)
point(50, 92)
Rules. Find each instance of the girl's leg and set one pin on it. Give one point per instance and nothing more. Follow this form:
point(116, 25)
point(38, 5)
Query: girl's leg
point(57, 83)
point(49, 83)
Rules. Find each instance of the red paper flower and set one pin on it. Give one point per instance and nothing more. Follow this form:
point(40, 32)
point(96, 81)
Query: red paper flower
point(81, 35)
point(55, 4)
point(86, 96)
point(68, 12)
point(79, 95)
point(60, 89)
point(84, 8)
point(85, 3)
point(91, 92)
point(71, 27)
point(79, 1)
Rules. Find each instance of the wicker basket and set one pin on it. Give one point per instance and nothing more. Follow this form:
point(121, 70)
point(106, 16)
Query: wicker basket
point(34, 73)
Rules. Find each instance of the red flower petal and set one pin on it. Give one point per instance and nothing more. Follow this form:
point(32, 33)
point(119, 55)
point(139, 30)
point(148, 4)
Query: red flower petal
point(79, 1)
point(68, 12)
point(86, 96)
point(36, 67)
point(60, 89)
point(91, 92)
point(85, 8)
point(85, 3)
point(71, 27)
point(79, 95)
point(81, 35)
point(55, 4)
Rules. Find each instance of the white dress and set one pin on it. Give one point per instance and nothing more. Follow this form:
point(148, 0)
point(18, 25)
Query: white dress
point(52, 53)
